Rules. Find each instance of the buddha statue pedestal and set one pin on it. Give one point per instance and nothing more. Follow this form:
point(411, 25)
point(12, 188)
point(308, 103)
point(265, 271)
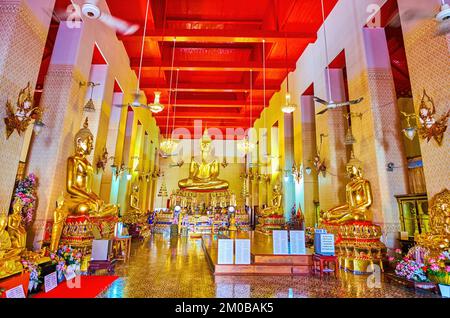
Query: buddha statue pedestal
point(270, 223)
point(80, 231)
point(358, 245)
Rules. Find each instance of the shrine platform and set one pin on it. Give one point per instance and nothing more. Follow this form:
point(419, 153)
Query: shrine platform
point(263, 261)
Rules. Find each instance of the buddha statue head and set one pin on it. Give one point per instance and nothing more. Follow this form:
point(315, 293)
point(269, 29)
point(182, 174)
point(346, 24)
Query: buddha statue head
point(353, 167)
point(84, 140)
point(205, 143)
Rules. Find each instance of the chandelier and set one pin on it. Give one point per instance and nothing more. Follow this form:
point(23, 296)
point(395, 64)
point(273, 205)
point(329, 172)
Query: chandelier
point(288, 107)
point(168, 146)
point(246, 146)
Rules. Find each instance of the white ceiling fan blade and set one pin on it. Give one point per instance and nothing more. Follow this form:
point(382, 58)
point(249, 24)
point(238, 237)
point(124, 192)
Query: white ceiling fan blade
point(443, 28)
point(119, 25)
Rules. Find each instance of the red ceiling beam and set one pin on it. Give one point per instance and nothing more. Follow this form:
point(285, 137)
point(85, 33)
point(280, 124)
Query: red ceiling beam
point(154, 65)
point(216, 103)
point(227, 36)
point(209, 87)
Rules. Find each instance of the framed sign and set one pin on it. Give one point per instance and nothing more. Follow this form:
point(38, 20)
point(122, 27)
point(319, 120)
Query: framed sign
point(16, 292)
point(225, 253)
point(50, 282)
point(297, 242)
point(326, 244)
point(242, 247)
point(280, 242)
point(317, 233)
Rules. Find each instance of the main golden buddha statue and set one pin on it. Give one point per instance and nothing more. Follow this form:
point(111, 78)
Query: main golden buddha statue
point(358, 197)
point(204, 175)
point(81, 200)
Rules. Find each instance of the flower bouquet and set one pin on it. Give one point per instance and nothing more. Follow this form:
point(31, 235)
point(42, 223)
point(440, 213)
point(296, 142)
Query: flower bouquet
point(396, 258)
point(411, 270)
point(438, 270)
point(68, 260)
point(26, 193)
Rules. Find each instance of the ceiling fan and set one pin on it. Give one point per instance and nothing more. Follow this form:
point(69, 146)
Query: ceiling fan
point(136, 102)
point(442, 18)
point(332, 105)
point(90, 10)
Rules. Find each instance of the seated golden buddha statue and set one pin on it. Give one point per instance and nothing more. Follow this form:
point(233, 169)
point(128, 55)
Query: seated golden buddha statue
point(81, 200)
point(275, 208)
point(204, 175)
point(358, 198)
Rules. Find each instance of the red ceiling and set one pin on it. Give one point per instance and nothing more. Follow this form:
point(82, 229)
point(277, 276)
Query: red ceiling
point(217, 43)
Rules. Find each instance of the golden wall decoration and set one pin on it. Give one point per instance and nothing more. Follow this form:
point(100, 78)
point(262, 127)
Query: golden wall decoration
point(430, 126)
point(20, 117)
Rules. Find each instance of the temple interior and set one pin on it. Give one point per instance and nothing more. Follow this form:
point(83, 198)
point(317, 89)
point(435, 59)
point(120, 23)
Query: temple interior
point(224, 149)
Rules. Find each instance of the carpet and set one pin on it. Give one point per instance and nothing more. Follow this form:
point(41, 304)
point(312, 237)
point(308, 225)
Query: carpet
point(86, 287)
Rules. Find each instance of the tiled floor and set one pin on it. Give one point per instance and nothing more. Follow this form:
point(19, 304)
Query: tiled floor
point(177, 267)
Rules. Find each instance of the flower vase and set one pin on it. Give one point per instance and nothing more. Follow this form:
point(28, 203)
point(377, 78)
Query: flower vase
point(32, 285)
point(445, 290)
point(60, 276)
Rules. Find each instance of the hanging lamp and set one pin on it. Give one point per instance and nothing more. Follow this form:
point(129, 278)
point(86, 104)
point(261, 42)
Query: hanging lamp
point(156, 106)
point(246, 146)
point(90, 106)
point(288, 107)
point(169, 145)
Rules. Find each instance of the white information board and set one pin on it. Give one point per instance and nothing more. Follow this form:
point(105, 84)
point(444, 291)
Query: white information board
point(297, 242)
point(280, 242)
point(16, 292)
point(50, 282)
point(225, 253)
point(242, 255)
point(326, 244)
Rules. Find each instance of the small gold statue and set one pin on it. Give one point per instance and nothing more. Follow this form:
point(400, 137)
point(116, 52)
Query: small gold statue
point(16, 230)
point(134, 214)
point(204, 175)
point(438, 239)
point(232, 226)
point(9, 254)
point(81, 200)
point(358, 197)
point(275, 208)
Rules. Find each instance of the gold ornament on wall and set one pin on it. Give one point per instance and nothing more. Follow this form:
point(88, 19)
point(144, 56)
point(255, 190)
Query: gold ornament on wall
point(20, 118)
point(103, 160)
point(430, 126)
